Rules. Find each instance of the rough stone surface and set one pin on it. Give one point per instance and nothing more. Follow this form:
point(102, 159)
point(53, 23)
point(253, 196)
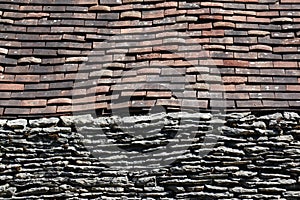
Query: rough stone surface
point(3, 122)
point(46, 158)
point(44, 122)
point(17, 123)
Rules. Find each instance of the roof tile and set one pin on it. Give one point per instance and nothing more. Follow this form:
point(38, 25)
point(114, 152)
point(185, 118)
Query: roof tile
point(44, 46)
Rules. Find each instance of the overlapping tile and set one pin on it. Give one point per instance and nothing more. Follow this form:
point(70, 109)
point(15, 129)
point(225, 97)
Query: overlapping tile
point(254, 44)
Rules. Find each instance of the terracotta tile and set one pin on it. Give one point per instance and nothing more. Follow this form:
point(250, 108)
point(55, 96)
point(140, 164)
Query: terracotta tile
point(252, 44)
point(11, 87)
point(34, 103)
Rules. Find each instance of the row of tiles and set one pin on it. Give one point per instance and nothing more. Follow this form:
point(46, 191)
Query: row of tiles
point(43, 44)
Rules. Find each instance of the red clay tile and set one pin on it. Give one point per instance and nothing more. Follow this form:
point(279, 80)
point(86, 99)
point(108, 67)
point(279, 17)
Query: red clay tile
point(11, 87)
point(253, 45)
point(34, 103)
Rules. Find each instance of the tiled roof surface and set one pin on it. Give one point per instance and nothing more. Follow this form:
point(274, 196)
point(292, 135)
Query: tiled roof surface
point(254, 43)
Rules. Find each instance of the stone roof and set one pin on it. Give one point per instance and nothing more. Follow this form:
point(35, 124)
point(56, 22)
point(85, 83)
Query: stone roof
point(251, 45)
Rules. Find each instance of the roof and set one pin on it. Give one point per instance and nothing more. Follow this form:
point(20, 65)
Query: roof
point(240, 53)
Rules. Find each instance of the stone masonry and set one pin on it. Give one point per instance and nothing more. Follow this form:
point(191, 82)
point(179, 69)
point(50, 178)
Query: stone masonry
point(255, 157)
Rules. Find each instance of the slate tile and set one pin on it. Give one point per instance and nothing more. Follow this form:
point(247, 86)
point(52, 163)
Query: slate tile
point(169, 102)
point(262, 95)
point(14, 15)
point(52, 61)
point(7, 78)
point(249, 55)
point(272, 72)
point(293, 88)
point(64, 109)
point(17, 111)
point(202, 26)
point(77, 8)
point(17, 69)
point(257, 7)
point(7, 61)
point(289, 96)
point(195, 103)
point(42, 52)
point(234, 79)
point(277, 87)
point(285, 49)
point(61, 85)
point(221, 104)
point(285, 64)
point(292, 72)
point(11, 87)
point(108, 16)
point(291, 56)
point(52, 77)
point(260, 79)
point(5, 95)
point(71, 22)
point(33, 103)
point(142, 103)
point(10, 102)
point(236, 63)
point(240, 6)
point(31, 8)
point(285, 80)
point(27, 78)
point(249, 103)
point(52, 8)
point(237, 96)
point(43, 111)
point(294, 103)
point(8, 6)
point(272, 103)
point(246, 26)
point(248, 88)
point(261, 64)
point(269, 56)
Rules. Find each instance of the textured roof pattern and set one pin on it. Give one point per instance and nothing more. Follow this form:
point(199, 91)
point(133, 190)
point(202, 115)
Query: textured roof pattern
point(255, 45)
